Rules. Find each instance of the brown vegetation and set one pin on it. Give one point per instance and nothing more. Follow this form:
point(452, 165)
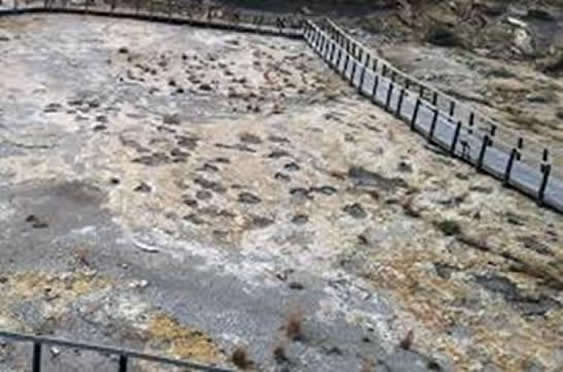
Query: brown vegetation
point(240, 358)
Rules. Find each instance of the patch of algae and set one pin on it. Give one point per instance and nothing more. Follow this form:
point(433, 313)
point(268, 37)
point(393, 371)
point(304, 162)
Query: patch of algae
point(431, 302)
point(185, 342)
point(54, 292)
point(32, 284)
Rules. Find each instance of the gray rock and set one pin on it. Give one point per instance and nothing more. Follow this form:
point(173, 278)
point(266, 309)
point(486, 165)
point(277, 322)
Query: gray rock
point(171, 119)
point(143, 187)
point(248, 198)
point(355, 210)
point(300, 219)
point(250, 139)
point(205, 87)
point(409, 361)
point(536, 98)
point(282, 177)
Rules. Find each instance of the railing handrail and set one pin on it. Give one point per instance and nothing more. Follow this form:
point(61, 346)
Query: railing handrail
point(534, 180)
point(108, 350)
point(431, 88)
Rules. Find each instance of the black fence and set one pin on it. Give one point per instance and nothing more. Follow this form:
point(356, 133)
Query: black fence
point(455, 128)
point(528, 149)
point(418, 105)
point(187, 12)
point(124, 355)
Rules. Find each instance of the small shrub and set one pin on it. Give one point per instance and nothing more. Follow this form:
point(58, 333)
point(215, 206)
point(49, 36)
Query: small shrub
point(449, 227)
point(82, 254)
point(442, 36)
point(240, 358)
point(294, 328)
point(279, 354)
point(406, 342)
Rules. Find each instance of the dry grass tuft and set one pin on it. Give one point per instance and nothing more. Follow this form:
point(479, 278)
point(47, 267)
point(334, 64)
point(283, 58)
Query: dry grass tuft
point(279, 354)
point(294, 326)
point(81, 255)
point(240, 358)
point(406, 342)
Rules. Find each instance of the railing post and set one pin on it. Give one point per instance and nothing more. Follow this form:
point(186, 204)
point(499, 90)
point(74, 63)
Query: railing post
point(407, 84)
point(332, 49)
point(415, 113)
point(509, 164)
point(545, 155)
point(315, 39)
point(433, 125)
point(471, 122)
point(389, 93)
point(122, 363)
point(338, 58)
point(520, 146)
point(36, 363)
point(452, 108)
point(421, 93)
point(400, 103)
point(493, 133)
point(384, 70)
point(363, 75)
point(375, 63)
point(546, 170)
point(374, 91)
point(346, 64)
point(456, 137)
point(481, 158)
point(354, 63)
point(434, 98)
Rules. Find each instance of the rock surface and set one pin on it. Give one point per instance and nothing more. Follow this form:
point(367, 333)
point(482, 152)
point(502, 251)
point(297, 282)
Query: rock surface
point(271, 260)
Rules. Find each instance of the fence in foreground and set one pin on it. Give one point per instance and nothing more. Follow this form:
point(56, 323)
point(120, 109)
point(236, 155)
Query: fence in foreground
point(124, 355)
point(408, 100)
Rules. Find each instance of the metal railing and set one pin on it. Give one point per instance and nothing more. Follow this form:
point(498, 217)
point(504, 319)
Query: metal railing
point(124, 355)
point(473, 138)
point(170, 11)
point(471, 128)
point(378, 80)
point(528, 150)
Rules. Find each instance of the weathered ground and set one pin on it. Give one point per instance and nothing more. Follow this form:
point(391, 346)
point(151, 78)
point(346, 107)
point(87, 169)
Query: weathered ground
point(189, 193)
